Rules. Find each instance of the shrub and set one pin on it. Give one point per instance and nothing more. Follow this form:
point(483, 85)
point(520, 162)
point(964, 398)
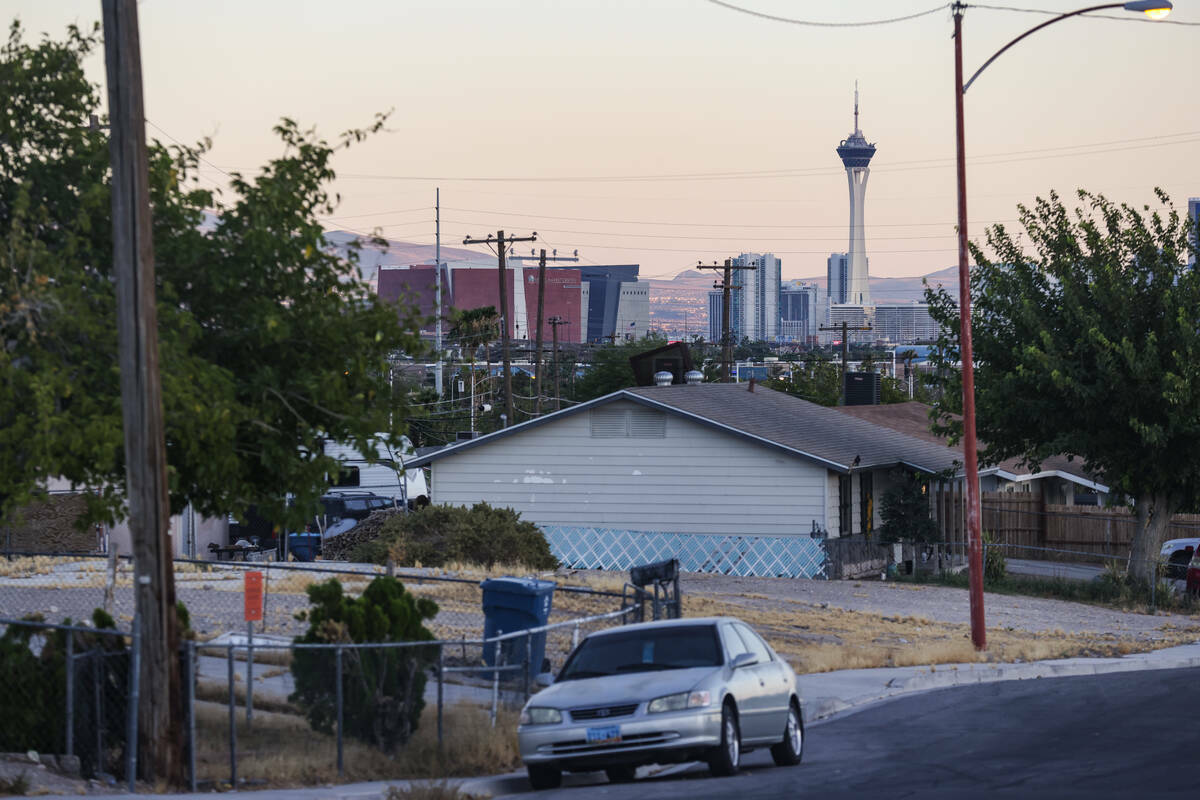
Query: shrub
point(382, 688)
point(33, 674)
point(437, 535)
point(995, 566)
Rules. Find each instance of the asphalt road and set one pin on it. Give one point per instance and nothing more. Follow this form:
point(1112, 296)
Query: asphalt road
point(1120, 736)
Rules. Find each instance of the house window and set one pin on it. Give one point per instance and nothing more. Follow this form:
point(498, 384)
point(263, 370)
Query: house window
point(866, 502)
point(844, 518)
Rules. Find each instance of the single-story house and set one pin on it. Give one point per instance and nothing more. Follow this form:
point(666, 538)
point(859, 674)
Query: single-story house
point(731, 478)
point(1059, 480)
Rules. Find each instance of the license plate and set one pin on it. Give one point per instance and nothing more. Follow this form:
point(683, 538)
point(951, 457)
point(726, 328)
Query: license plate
point(610, 734)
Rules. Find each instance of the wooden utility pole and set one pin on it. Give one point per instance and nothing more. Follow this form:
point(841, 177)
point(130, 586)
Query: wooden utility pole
point(501, 247)
point(845, 328)
point(537, 370)
point(160, 736)
point(555, 321)
point(725, 286)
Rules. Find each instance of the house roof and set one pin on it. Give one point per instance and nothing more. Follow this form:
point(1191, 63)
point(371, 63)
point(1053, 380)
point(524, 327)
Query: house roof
point(912, 419)
point(802, 429)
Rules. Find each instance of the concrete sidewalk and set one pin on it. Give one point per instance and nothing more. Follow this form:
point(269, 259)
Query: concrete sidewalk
point(826, 696)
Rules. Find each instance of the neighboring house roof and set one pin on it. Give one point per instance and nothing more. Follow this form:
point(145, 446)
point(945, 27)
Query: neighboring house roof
point(774, 419)
point(912, 419)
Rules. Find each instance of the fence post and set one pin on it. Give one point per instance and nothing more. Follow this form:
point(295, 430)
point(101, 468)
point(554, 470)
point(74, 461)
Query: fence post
point(575, 636)
point(190, 654)
point(340, 721)
point(440, 667)
point(528, 664)
point(496, 681)
point(70, 743)
point(98, 719)
point(131, 737)
point(232, 722)
point(249, 674)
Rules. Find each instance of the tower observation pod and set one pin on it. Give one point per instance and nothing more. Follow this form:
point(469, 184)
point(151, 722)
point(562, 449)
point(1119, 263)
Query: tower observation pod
point(856, 154)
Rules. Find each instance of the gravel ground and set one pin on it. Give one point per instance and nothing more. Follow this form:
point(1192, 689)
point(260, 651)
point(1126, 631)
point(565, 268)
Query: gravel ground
point(936, 603)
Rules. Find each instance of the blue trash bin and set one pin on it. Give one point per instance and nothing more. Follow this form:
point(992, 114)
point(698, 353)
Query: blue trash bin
point(516, 604)
point(304, 546)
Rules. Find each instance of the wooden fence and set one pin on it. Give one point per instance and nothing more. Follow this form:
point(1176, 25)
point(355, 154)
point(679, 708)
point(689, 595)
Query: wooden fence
point(1033, 529)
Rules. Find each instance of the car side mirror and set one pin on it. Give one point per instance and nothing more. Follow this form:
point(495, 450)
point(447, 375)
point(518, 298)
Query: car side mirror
point(744, 660)
point(545, 679)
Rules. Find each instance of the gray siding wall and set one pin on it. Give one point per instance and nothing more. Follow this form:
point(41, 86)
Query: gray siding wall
point(693, 479)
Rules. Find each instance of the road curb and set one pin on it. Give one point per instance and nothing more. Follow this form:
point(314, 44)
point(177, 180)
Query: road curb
point(822, 706)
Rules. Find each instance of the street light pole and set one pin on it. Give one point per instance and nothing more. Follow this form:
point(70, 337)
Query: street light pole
point(1155, 9)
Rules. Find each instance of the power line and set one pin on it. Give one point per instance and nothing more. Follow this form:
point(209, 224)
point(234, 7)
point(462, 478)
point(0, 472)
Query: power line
point(815, 24)
point(380, 213)
point(1035, 154)
point(1129, 18)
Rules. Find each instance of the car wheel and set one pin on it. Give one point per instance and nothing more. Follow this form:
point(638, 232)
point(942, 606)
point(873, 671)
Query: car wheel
point(621, 774)
point(541, 777)
point(726, 757)
point(788, 752)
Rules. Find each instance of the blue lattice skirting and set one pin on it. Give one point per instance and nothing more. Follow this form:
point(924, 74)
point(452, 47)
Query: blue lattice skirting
point(768, 556)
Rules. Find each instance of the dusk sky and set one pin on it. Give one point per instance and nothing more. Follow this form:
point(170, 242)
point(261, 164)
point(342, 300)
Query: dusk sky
point(532, 96)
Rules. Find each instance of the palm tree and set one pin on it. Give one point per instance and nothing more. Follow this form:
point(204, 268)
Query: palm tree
point(473, 328)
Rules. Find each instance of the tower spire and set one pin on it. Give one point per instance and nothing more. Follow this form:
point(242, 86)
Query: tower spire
point(856, 106)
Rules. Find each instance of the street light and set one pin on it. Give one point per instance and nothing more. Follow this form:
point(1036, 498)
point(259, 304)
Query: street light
point(1155, 9)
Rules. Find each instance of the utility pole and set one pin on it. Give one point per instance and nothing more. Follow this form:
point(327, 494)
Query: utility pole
point(537, 371)
point(160, 736)
point(501, 247)
point(437, 260)
point(555, 321)
point(845, 328)
point(725, 286)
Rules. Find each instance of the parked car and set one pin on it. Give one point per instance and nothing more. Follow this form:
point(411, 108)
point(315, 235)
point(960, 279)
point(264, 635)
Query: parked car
point(672, 691)
point(1176, 555)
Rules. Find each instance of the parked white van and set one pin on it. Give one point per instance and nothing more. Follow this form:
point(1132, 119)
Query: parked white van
point(385, 476)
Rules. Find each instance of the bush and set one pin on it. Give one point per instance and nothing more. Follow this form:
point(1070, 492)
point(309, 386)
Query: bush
point(437, 535)
point(33, 692)
point(995, 566)
point(382, 688)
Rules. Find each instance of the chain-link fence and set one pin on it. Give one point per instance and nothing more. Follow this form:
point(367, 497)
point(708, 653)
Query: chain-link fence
point(65, 694)
point(59, 588)
point(259, 708)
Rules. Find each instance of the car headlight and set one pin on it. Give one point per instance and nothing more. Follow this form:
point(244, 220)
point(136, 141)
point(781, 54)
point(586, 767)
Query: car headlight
point(541, 716)
point(679, 702)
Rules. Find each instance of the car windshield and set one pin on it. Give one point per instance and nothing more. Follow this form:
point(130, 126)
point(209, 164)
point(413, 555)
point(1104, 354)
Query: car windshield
point(645, 650)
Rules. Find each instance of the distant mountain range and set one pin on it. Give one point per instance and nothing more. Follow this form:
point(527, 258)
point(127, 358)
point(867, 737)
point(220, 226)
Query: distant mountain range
point(680, 304)
point(677, 304)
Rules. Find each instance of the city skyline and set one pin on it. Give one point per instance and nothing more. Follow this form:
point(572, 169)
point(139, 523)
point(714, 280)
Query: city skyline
point(628, 96)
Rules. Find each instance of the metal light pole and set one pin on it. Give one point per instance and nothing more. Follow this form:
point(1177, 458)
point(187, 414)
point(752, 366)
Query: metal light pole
point(1155, 9)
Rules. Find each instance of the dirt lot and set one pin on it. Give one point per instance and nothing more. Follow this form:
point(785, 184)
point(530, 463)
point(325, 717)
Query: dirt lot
point(827, 625)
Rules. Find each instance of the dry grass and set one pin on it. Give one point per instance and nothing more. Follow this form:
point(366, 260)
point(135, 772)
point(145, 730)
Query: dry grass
point(281, 750)
point(439, 790)
point(817, 639)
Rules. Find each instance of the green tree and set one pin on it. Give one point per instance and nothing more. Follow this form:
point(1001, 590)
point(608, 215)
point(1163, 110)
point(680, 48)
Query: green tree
point(610, 369)
point(269, 342)
point(1086, 336)
point(817, 380)
point(904, 511)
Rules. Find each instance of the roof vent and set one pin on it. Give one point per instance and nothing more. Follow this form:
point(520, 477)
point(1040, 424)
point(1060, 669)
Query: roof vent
point(693, 377)
point(663, 378)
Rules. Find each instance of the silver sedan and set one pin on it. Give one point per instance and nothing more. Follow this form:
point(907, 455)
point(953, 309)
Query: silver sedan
point(663, 692)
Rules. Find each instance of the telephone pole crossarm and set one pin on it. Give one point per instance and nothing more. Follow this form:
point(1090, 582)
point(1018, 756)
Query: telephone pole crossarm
point(726, 285)
point(502, 243)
